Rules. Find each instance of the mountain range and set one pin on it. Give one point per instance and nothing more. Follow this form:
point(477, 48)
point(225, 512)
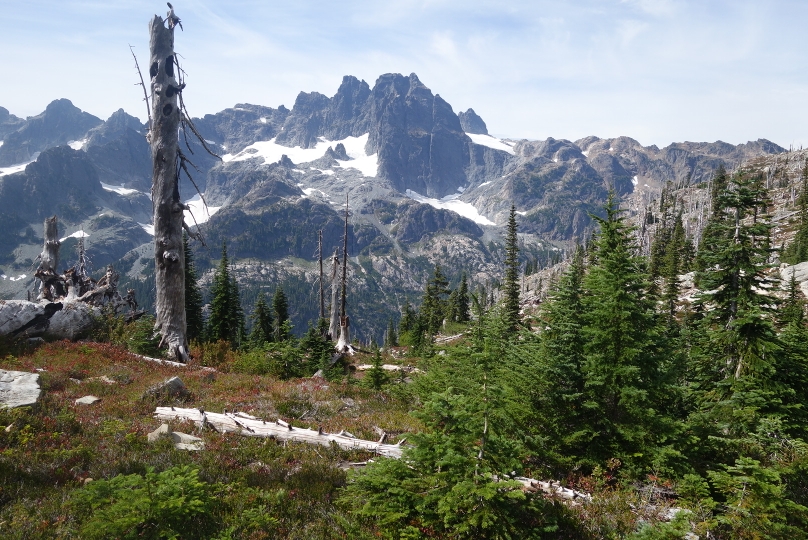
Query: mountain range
point(424, 185)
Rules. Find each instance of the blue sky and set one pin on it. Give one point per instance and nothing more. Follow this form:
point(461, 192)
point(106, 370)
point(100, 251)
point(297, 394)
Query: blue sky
point(659, 71)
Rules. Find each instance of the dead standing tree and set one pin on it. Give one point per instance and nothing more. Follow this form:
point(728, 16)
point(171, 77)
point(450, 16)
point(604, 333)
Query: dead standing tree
point(169, 256)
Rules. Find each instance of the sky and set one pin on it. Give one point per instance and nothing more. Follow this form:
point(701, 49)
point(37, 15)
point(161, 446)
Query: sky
point(659, 71)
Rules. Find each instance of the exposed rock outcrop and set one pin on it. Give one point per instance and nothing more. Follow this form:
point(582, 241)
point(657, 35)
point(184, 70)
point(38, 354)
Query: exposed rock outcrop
point(19, 389)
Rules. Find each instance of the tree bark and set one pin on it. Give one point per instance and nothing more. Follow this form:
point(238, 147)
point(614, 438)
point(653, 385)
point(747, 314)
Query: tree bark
point(169, 257)
point(49, 262)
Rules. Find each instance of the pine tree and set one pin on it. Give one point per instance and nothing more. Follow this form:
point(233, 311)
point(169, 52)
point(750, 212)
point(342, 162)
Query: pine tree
point(511, 284)
point(280, 310)
point(222, 323)
point(376, 377)
point(434, 306)
point(462, 303)
point(562, 362)
point(623, 366)
point(390, 338)
point(237, 314)
point(797, 250)
point(262, 329)
point(193, 296)
point(710, 236)
point(738, 352)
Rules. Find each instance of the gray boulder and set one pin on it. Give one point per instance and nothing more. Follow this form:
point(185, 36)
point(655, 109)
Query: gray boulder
point(173, 387)
point(19, 389)
point(182, 441)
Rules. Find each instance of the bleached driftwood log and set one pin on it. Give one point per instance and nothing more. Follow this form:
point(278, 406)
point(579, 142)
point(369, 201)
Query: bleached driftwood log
point(251, 426)
point(389, 367)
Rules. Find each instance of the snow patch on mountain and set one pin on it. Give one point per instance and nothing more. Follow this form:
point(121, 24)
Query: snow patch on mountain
point(19, 167)
point(490, 142)
point(272, 152)
point(120, 190)
point(77, 145)
point(450, 202)
point(77, 234)
point(201, 211)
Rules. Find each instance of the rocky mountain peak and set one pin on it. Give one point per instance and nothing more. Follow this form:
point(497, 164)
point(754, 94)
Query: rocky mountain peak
point(471, 122)
point(60, 123)
point(115, 126)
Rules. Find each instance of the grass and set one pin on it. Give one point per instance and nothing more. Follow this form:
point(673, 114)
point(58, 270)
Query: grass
point(51, 450)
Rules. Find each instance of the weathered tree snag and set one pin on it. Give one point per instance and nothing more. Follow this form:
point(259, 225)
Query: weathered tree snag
point(344, 342)
point(49, 261)
point(333, 328)
point(169, 256)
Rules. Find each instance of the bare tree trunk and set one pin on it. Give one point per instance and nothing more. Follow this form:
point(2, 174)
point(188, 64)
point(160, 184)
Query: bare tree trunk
point(344, 341)
point(333, 328)
point(169, 256)
point(49, 262)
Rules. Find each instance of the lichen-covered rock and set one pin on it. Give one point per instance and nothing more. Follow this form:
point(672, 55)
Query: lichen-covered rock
point(18, 389)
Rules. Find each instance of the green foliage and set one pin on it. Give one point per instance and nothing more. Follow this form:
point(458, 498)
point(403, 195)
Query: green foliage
point(172, 504)
point(797, 250)
point(623, 368)
point(376, 377)
point(676, 529)
point(283, 360)
point(194, 321)
point(280, 311)
point(755, 504)
point(511, 281)
point(262, 324)
point(226, 321)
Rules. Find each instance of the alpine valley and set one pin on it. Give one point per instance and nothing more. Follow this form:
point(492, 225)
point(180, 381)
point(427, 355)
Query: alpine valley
point(424, 185)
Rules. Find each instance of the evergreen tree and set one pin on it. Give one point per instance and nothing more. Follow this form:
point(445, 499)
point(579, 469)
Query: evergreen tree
point(223, 323)
point(797, 250)
point(511, 284)
point(462, 304)
point(792, 371)
point(376, 377)
point(737, 352)
point(390, 338)
point(711, 235)
point(623, 362)
point(193, 296)
point(262, 329)
point(237, 314)
point(562, 361)
point(434, 306)
point(280, 309)
point(407, 321)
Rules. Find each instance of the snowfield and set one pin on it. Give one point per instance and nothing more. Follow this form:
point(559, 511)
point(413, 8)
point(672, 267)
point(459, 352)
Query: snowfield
point(120, 190)
point(272, 152)
point(490, 142)
point(201, 212)
point(77, 234)
point(450, 202)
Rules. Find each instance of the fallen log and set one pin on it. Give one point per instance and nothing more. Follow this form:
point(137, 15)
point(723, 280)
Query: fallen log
point(251, 426)
point(389, 367)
